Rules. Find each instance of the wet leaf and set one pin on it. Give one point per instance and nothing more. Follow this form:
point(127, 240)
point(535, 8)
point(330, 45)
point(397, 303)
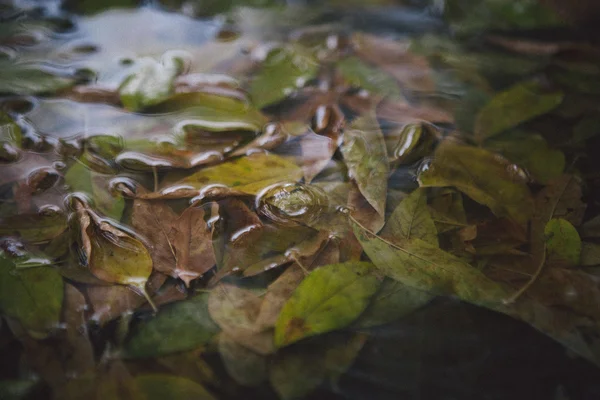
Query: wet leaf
point(426, 267)
point(33, 296)
point(365, 155)
point(10, 132)
point(360, 75)
point(562, 241)
point(278, 293)
point(82, 179)
point(447, 210)
point(392, 302)
point(317, 151)
point(248, 174)
point(191, 240)
point(160, 386)
point(514, 106)
point(283, 71)
point(17, 389)
point(34, 227)
point(481, 175)
point(151, 83)
point(244, 366)
point(27, 79)
point(212, 112)
point(177, 327)
point(411, 219)
point(591, 229)
point(112, 254)
point(235, 310)
point(330, 298)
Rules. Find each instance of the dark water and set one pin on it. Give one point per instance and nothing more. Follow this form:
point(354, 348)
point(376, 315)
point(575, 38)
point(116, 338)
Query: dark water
point(85, 50)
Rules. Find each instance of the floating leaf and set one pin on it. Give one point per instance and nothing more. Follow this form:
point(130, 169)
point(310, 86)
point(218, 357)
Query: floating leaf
point(33, 296)
point(358, 74)
point(82, 179)
point(392, 302)
point(212, 112)
point(177, 327)
point(151, 82)
point(248, 174)
point(330, 298)
point(245, 366)
point(481, 175)
point(113, 255)
point(29, 79)
point(562, 241)
point(426, 267)
point(34, 227)
point(514, 106)
point(283, 71)
point(160, 386)
point(365, 155)
point(411, 219)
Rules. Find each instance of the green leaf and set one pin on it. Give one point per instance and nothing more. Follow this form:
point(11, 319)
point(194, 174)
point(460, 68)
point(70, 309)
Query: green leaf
point(29, 79)
point(330, 298)
point(151, 83)
point(411, 219)
point(9, 131)
point(481, 175)
point(17, 389)
point(392, 302)
point(365, 155)
point(585, 129)
point(283, 71)
point(160, 387)
point(181, 326)
point(82, 179)
point(245, 366)
point(248, 174)
point(34, 227)
point(510, 108)
point(212, 112)
point(360, 75)
point(562, 241)
point(426, 267)
point(33, 296)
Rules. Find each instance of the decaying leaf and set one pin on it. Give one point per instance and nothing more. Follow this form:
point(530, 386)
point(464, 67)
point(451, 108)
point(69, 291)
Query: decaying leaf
point(411, 219)
point(470, 169)
point(365, 155)
point(243, 365)
point(160, 386)
point(330, 298)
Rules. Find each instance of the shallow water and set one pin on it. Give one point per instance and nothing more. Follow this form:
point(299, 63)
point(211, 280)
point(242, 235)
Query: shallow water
point(298, 199)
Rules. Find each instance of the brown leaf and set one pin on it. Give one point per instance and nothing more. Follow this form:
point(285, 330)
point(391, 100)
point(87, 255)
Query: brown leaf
point(402, 113)
point(363, 211)
point(191, 240)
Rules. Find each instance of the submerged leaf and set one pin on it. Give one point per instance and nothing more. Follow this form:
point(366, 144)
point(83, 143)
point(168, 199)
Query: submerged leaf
point(177, 327)
point(426, 267)
point(365, 155)
point(411, 219)
point(33, 296)
point(330, 298)
point(29, 79)
point(485, 177)
point(562, 241)
point(514, 106)
point(360, 75)
point(245, 366)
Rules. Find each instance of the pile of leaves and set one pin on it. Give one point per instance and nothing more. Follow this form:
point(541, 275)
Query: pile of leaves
point(252, 222)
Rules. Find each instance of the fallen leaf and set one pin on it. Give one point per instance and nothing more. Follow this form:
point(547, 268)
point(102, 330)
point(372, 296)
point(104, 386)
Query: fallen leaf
point(562, 242)
point(245, 366)
point(278, 293)
point(28, 79)
point(191, 241)
point(591, 228)
point(365, 155)
point(484, 176)
point(590, 254)
point(392, 302)
point(330, 298)
point(33, 296)
point(177, 327)
point(411, 219)
point(360, 75)
point(512, 107)
point(284, 70)
point(112, 254)
point(34, 228)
